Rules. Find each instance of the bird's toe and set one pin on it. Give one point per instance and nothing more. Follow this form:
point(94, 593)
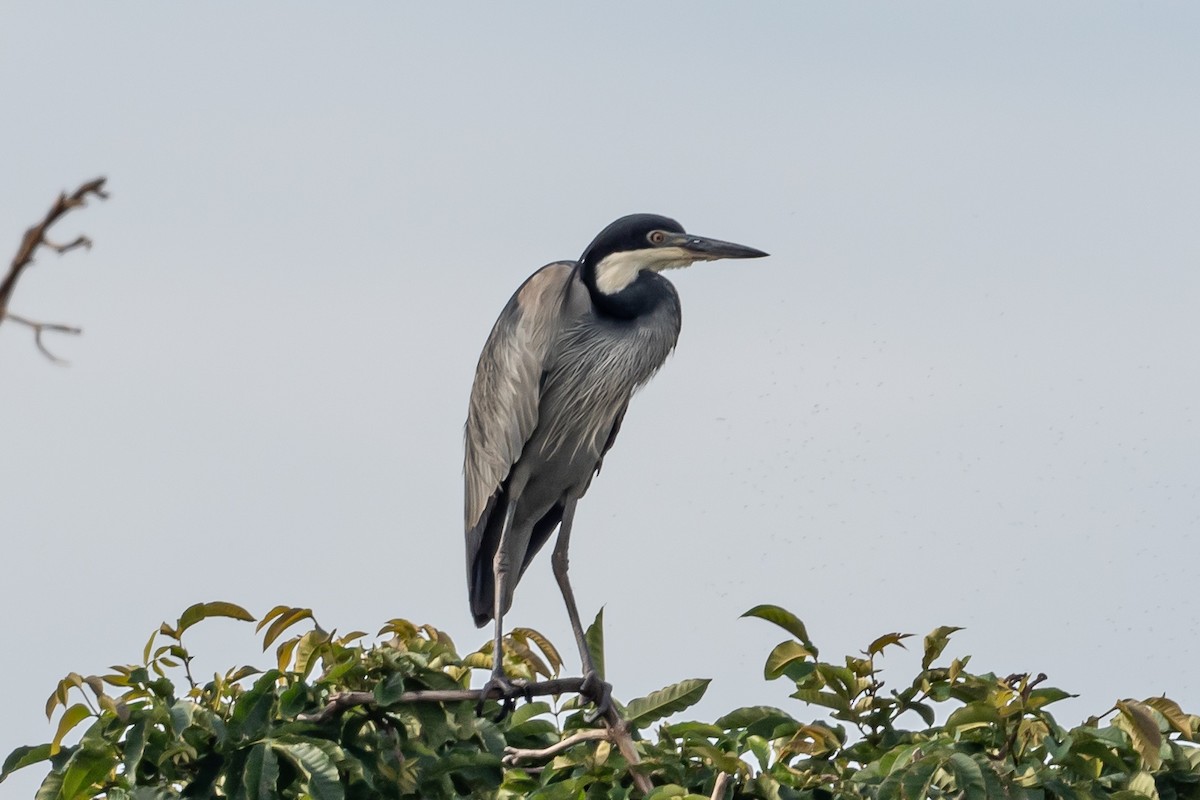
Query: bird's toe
point(599, 692)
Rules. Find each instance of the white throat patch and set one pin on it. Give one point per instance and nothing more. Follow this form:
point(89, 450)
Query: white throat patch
point(617, 270)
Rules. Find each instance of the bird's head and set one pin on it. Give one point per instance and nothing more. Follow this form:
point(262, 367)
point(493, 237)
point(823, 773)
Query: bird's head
point(649, 242)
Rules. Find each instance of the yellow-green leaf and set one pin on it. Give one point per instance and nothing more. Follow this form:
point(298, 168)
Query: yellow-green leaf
point(594, 636)
point(70, 718)
point(784, 653)
point(544, 645)
point(1173, 714)
point(784, 619)
point(1143, 783)
point(935, 643)
point(887, 640)
point(285, 620)
point(666, 701)
point(199, 611)
point(1143, 730)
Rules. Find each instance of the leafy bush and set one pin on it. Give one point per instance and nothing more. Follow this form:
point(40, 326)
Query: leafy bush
point(337, 718)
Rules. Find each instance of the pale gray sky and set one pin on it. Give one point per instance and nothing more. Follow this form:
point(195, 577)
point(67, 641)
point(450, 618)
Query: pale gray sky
point(962, 390)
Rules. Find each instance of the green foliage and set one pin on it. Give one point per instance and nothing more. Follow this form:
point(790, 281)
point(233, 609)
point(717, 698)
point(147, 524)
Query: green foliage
point(153, 731)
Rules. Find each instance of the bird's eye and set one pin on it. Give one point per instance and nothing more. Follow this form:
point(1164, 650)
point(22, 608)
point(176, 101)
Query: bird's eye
point(657, 237)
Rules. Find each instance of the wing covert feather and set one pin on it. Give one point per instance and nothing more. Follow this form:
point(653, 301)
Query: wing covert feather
point(504, 398)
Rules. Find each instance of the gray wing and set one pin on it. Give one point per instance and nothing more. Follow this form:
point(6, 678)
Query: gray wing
point(504, 399)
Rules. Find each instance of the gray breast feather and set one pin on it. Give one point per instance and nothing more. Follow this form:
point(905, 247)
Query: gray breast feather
point(599, 367)
point(503, 411)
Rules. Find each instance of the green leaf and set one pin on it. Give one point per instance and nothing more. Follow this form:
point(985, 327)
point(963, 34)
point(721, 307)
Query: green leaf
point(261, 775)
point(820, 698)
point(784, 654)
point(784, 619)
point(915, 783)
point(181, 716)
point(968, 777)
point(1044, 697)
point(293, 700)
point(935, 643)
point(527, 712)
point(924, 711)
point(388, 692)
point(252, 711)
point(595, 642)
point(51, 787)
point(1142, 783)
point(23, 757)
point(135, 745)
point(666, 701)
point(199, 611)
point(972, 715)
point(749, 715)
point(86, 768)
point(70, 718)
point(320, 772)
point(702, 730)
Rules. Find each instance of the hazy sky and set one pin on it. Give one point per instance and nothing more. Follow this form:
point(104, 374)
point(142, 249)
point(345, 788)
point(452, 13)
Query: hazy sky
point(963, 389)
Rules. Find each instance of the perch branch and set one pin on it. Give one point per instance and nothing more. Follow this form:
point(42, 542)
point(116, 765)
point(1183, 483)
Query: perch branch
point(341, 702)
point(35, 238)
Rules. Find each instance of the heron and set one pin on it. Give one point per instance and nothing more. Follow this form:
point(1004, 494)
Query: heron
point(553, 382)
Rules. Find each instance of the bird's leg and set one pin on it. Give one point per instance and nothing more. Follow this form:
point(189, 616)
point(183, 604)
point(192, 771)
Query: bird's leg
point(499, 684)
point(594, 687)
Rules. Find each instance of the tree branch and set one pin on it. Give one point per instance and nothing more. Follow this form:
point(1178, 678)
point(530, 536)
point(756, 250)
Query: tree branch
point(515, 755)
point(341, 702)
point(38, 327)
point(35, 238)
point(718, 792)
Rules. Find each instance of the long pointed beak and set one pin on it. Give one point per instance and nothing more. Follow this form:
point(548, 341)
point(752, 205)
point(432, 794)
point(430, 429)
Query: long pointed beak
point(705, 249)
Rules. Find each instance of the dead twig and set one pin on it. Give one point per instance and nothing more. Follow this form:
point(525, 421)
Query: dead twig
point(35, 238)
point(38, 327)
point(722, 781)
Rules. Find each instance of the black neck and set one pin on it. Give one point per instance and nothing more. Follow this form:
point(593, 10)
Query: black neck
point(638, 298)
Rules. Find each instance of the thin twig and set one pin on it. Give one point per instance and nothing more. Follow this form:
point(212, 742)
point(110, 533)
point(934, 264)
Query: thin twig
point(34, 238)
point(718, 791)
point(39, 327)
point(515, 755)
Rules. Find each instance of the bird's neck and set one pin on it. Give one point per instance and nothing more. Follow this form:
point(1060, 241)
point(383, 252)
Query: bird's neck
point(639, 297)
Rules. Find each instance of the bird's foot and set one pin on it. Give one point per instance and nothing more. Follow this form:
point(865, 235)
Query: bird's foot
point(599, 693)
point(500, 688)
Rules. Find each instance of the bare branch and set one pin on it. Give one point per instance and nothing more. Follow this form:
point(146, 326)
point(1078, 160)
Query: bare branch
point(39, 327)
point(35, 238)
point(79, 241)
point(718, 792)
point(343, 701)
point(515, 755)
